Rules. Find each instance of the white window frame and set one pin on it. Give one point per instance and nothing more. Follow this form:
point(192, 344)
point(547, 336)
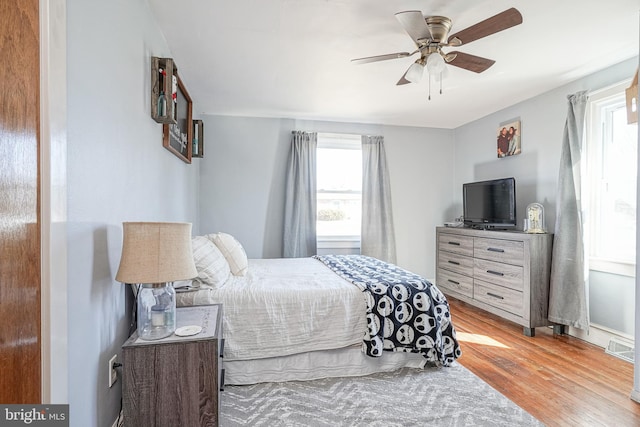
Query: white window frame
point(597, 101)
point(342, 141)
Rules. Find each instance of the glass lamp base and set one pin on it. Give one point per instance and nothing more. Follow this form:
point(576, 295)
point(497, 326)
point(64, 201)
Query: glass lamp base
point(156, 311)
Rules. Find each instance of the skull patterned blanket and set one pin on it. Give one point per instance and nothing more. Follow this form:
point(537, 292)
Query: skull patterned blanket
point(405, 312)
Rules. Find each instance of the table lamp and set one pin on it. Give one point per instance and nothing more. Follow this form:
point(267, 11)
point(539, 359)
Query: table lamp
point(154, 255)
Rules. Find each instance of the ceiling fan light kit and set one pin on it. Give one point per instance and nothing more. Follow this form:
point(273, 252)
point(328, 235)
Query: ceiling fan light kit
point(415, 72)
point(431, 33)
point(435, 63)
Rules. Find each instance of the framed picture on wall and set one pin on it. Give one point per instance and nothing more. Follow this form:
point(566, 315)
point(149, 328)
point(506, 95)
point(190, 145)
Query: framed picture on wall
point(509, 138)
point(197, 150)
point(177, 137)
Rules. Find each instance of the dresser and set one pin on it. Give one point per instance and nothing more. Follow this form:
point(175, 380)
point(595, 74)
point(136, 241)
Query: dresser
point(503, 272)
point(175, 381)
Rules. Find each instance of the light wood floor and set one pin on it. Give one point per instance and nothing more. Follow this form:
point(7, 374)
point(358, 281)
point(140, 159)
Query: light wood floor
point(560, 380)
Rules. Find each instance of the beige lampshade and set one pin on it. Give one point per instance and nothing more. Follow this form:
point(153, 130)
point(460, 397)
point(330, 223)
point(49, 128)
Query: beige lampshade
point(156, 252)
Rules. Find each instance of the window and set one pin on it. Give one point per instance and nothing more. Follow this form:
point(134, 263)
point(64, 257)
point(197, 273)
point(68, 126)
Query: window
point(611, 178)
point(339, 180)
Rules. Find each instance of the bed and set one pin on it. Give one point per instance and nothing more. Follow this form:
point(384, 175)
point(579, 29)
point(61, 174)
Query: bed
point(307, 318)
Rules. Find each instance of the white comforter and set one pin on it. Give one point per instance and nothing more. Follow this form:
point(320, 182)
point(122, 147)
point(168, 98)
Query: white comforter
point(285, 306)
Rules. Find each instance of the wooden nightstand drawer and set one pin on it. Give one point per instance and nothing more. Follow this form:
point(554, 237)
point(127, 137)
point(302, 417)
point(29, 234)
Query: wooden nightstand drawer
point(498, 296)
point(507, 251)
point(462, 245)
point(175, 381)
point(509, 276)
point(454, 282)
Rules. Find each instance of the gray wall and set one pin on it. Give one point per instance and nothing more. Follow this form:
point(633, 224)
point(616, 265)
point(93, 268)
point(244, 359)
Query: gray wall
point(117, 171)
point(243, 179)
point(536, 172)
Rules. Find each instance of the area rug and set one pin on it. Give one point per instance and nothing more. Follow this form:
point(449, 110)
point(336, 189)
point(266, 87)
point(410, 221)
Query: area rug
point(408, 397)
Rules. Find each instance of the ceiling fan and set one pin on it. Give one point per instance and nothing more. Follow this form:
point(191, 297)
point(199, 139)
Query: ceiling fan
point(431, 34)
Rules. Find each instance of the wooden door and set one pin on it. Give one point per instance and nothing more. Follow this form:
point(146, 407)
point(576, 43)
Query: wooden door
point(20, 361)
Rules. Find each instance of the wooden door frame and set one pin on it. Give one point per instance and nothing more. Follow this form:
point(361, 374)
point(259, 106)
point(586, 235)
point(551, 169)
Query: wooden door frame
point(53, 187)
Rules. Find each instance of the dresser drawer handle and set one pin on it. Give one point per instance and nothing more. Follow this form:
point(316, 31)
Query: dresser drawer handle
point(497, 273)
point(495, 250)
point(454, 243)
point(453, 281)
point(453, 262)
point(494, 295)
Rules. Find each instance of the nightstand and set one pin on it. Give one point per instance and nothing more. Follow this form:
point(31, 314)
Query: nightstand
point(175, 381)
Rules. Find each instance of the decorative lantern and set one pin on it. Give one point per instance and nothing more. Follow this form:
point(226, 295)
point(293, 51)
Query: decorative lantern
point(534, 222)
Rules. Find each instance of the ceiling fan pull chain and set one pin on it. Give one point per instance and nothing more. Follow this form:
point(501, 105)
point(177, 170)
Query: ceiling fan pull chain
point(440, 82)
point(429, 77)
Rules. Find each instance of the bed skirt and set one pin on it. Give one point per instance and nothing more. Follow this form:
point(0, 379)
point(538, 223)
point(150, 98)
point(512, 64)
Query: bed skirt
point(345, 362)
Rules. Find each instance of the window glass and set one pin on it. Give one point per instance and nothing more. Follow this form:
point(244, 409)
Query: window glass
point(612, 177)
point(339, 180)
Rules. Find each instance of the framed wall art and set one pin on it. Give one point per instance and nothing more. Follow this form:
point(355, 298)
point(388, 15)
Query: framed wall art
point(198, 139)
point(509, 138)
point(162, 77)
point(177, 136)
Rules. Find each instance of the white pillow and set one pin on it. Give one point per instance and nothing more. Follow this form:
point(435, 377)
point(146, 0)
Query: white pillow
point(212, 266)
point(232, 251)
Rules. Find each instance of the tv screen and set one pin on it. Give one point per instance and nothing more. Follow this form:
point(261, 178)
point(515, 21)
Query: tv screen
point(490, 204)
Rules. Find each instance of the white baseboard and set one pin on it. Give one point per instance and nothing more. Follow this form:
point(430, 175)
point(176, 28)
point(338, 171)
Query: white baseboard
point(635, 395)
point(599, 335)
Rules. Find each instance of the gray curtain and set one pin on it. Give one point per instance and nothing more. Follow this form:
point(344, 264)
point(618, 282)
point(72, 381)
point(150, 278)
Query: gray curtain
point(568, 297)
point(377, 239)
point(300, 197)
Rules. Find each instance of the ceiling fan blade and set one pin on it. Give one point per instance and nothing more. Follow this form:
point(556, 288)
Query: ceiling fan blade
point(507, 19)
point(403, 80)
point(414, 24)
point(377, 58)
point(469, 62)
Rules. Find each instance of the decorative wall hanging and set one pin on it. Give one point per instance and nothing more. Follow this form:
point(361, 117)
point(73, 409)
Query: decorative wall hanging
point(177, 137)
point(198, 139)
point(632, 100)
point(171, 105)
point(509, 138)
point(163, 73)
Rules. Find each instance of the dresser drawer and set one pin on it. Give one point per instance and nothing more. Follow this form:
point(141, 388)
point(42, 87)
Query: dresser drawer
point(462, 245)
point(498, 296)
point(510, 276)
point(507, 251)
point(456, 282)
point(457, 263)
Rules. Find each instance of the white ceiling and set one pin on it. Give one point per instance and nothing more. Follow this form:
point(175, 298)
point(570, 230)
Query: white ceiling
point(291, 58)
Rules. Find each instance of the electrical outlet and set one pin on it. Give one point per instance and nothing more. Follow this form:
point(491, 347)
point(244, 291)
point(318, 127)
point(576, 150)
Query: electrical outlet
point(113, 374)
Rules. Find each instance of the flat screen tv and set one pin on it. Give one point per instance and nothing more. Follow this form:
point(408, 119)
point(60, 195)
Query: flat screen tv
point(490, 204)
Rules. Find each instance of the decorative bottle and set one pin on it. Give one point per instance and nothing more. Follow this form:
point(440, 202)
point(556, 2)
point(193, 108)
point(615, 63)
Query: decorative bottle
point(162, 104)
